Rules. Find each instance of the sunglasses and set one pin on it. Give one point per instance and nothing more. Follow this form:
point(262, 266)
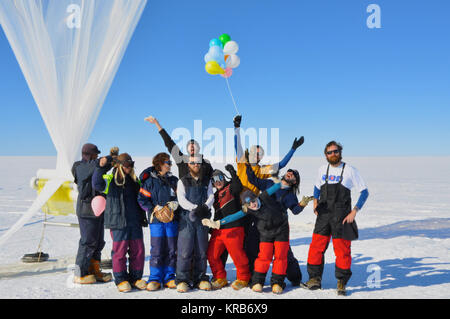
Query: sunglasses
point(195, 163)
point(333, 152)
point(168, 162)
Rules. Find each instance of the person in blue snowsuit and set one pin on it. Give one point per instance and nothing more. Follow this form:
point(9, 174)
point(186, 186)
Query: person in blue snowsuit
point(158, 189)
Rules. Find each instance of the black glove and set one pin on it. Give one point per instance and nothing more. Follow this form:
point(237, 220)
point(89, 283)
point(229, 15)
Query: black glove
point(298, 143)
point(231, 170)
point(237, 120)
point(202, 211)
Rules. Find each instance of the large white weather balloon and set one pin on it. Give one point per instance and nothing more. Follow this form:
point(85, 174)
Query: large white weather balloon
point(69, 52)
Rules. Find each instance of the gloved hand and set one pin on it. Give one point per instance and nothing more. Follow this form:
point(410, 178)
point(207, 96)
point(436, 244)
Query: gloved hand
point(298, 143)
point(173, 205)
point(305, 200)
point(237, 121)
point(211, 223)
point(231, 170)
point(202, 211)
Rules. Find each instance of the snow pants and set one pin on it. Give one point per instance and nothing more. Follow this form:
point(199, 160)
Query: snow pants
point(231, 239)
point(272, 248)
point(91, 243)
point(342, 251)
point(129, 240)
point(192, 247)
point(251, 247)
point(163, 251)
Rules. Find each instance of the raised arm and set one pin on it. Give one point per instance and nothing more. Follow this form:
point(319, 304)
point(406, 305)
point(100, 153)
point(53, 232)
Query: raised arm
point(237, 138)
point(173, 148)
point(296, 144)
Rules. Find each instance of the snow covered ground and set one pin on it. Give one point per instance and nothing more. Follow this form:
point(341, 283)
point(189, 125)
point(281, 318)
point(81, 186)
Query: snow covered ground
point(403, 250)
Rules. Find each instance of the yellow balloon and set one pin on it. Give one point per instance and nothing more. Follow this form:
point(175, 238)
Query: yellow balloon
point(212, 67)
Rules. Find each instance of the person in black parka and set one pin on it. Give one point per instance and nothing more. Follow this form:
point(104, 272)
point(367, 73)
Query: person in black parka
point(91, 227)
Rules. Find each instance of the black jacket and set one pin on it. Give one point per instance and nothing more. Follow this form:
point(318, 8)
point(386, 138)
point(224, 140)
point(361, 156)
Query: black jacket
point(82, 172)
point(227, 202)
point(122, 208)
point(182, 160)
point(271, 218)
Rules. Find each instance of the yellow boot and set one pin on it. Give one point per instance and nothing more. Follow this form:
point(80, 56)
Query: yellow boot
point(85, 280)
point(94, 269)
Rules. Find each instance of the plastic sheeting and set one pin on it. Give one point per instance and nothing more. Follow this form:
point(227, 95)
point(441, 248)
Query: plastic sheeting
point(69, 52)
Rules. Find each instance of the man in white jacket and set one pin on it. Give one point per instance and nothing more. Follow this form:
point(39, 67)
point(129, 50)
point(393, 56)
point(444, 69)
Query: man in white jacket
point(195, 196)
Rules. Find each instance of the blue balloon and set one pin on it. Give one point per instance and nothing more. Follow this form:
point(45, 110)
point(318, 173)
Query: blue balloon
point(215, 42)
point(216, 53)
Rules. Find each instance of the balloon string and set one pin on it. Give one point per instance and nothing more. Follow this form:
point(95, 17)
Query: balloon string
point(229, 90)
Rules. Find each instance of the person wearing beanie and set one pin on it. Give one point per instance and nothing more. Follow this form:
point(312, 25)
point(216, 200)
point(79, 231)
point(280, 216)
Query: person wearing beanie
point(182, 160)
point(287, 197)
point(158, 192)
point(124, 217)
point(91, 227)
point(231, 236)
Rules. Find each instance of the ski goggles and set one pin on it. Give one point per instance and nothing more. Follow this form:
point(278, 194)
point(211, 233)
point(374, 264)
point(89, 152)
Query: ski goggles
point(217, 178)
point(250, 200)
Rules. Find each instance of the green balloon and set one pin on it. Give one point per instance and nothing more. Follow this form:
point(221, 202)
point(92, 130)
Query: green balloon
point(224, 38)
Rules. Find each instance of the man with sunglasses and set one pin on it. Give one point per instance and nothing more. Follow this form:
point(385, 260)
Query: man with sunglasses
point(181, 159)
point(195, 197)
point(335, 217)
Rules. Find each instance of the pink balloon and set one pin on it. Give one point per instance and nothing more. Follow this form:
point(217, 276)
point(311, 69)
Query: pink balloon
point(228, 73)
point(98, 205)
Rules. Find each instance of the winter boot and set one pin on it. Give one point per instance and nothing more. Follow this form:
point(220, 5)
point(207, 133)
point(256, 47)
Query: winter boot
point(170, 284)
point(182, 287)
point(341, 288)
point(94, 269)
point(314, 283)
point(257, 288)
point(204, 285)
point(85, 280)
point(277, 289)
point(219, 283)
point(140, 284)
point(153, 286)
point(124, 286)
point(239, 284)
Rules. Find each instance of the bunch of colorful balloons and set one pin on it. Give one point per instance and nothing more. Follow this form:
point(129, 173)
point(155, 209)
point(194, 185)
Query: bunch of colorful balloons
point(221, 57)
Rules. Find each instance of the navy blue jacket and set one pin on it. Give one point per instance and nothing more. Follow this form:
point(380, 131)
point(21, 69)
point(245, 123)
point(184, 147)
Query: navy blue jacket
point(156, 190)
point(122, 208)
point(286, 197)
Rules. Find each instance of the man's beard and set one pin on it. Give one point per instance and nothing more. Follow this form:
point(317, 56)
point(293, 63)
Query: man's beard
point(291, 182)
point(333, 160)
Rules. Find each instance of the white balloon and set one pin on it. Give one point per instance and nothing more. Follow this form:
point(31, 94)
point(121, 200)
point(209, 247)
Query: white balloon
point(231, 47)
point(233, 61)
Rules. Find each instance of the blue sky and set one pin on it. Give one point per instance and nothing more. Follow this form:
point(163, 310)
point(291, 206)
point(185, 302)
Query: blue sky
point(309, 68)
